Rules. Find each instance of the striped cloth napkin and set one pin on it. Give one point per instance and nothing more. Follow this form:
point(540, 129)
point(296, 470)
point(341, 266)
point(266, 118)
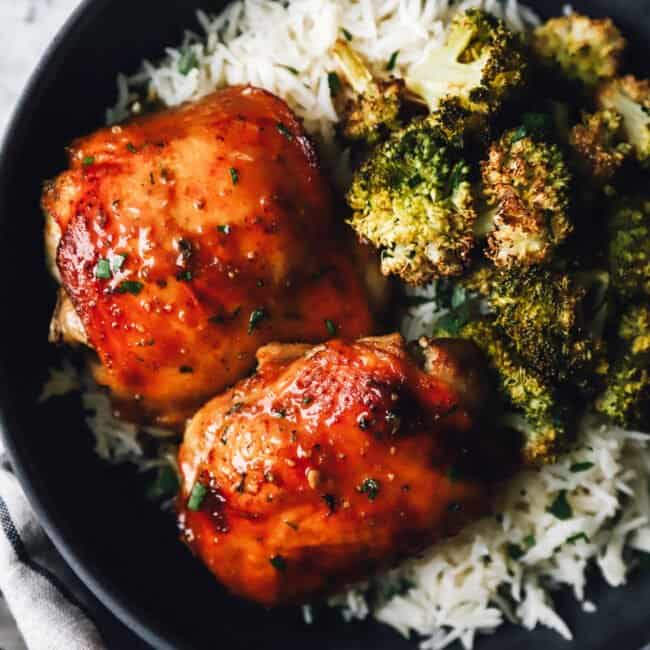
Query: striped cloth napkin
point(37, 587)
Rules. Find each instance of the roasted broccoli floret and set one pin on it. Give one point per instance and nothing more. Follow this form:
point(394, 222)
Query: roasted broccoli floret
point(526, 186)
point(546, 316)
point(546, 417)
point(553, 320)
point(626, 399)
point(375, 109)
point(482, 64)
point(631, 98)
point(600, 145)
point(629, 246)
point(580, 48)
point(413, 199)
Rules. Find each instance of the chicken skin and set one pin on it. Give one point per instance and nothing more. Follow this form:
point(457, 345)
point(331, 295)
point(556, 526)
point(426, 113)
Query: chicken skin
point(187, 239)
point(332, 461)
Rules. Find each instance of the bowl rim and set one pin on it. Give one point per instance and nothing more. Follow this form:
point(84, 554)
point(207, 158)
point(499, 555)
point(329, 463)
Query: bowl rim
point(79, 560)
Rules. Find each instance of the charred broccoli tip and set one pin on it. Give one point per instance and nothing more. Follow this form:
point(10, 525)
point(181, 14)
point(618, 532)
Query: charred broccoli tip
point(582, 49)
point(482, 64)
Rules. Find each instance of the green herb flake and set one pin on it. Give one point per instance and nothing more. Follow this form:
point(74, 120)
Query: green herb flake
point(117, 262)
point(458, 296)
point(331, 327)
point(291, 69)
point(88, 160)
point(370, 487)
point(530, 541)
point(184, 276)
point(453, 473)
point(334, 83)
point(307, 400)
point(279, 413)
point(330, 500)
point(515, 551)
point(581, 467)
point(235, 408)
point(560, 507)
point(165, 485)
point(278, 563)
point(234, 175)
point(196, 496)
point(519, 134)
point(187, 62)
point(346, 33)
point(283, 130)
point(256, 317)
point(537, 123)
point(131, 147)
point(130, 286)
point(185, 369)
point(578, 536)
point(224, 228)
point(391, 62)
point(103, 269)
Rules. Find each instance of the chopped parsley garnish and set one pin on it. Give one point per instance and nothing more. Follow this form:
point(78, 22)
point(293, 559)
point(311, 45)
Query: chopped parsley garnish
point(117, 261)
point(236, 407)
point(581, 467)
point(560, 507)
point(334, 83)
point(224, 228)
point(164, 485)
point(131, 147)
point(515, 551)
point(185, 369)
point(519, 134)
point(537, 124)
point(370, 487)
point(256, 317)
point(283, 130)
point(278, 563)
point(291, 69)
point(391, 62)
point(279, 413)
point(578, 536)
point(234, 175)
point(88, 160)
point(103, 269)
point(196, 496)
point(185, 248)
point(330, 500)
point(187, 62)
point(346, 33)
point(453, 473)
point(307, 399)
point(184, 276)
point(331, 327)
point(130, 286)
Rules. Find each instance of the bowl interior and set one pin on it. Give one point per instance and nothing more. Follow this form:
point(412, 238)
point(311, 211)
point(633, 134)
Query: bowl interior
point(123, 549)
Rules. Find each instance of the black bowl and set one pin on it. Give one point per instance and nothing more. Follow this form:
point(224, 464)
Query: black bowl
point(124, 551)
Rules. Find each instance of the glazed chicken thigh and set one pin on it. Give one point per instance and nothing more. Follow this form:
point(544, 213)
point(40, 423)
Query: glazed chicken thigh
point(331, 461)
point(186, 239)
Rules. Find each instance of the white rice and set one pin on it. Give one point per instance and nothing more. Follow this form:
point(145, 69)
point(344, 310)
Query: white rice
point(498, 569)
